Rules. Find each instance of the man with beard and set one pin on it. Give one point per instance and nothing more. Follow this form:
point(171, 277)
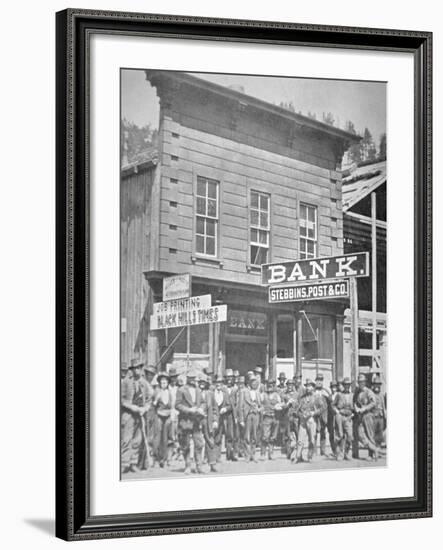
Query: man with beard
point(231, 419)
point(322, 395)
point(379, 412)
point(343, 407)
point(291, 400)
point(225, 419)
point(364, 404)
point(308, 413)
point(190, 415)
point(136, 398)
point(331, 417)
point(271, 411)
point(209, 421)
point(249, 416)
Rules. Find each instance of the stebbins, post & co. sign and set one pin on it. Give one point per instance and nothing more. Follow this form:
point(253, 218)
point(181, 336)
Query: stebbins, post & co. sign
point(316, 269)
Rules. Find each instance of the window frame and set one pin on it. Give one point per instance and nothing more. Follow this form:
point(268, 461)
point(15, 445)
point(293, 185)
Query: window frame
point(205, 217)
point(304, 255)
point(258, 228)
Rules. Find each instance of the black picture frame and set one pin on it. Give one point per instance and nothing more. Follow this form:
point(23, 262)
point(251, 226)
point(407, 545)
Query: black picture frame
point(74, 521)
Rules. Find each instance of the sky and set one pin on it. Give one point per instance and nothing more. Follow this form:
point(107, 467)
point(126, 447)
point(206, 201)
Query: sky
point(362, 102)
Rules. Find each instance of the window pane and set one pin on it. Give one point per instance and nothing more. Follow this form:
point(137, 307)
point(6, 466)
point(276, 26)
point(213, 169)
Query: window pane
point(210, 227)
point(212, 208)
point(263, 219)
point(310, 247)
point(264, 202)
point(201, 206)
point(254, 254)
point(200, 229)
point(210, 246)
point(254, 199)
point(311, 233)
point(254, 217)
point(263, 256)
point(303, 231)
point(200, 244)
point(302, 211)
point(263, 237)
point(311, 214)
point(212, 189)
point(201, 187)
point(254, 234)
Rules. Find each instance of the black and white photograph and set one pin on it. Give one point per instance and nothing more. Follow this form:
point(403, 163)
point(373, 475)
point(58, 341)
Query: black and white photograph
point(253, 226)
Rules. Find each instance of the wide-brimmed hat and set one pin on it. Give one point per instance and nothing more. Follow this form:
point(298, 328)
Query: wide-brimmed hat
point(309, 382)
point(151, 369)
point(282, 375)
point(229, 372)
point(346, 381)
point(136, 362)
point(191, 374)
point(319, 376)
point(290, 382)
point(219, 378)
point(124, 367)
point(172, 372)
point(202, 379)
point(361, 378)
point(377, 382)
point(333, 383)
point(258, 369)
point(236, 373)
point(241, 378)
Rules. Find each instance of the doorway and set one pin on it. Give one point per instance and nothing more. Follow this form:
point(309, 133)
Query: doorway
point(245, 356)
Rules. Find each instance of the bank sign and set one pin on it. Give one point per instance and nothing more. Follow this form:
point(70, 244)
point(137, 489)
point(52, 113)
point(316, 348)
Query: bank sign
point(316, 269)
point(309, 291)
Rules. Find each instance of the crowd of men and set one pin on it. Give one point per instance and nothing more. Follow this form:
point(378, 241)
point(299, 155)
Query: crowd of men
point(167, 418)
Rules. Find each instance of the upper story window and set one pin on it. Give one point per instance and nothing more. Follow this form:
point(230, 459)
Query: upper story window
point(308, 231)
point(207, 216)
point(259, 228)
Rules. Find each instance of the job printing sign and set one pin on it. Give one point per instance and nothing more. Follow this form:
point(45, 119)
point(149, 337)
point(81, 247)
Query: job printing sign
point(316, 269)
point(183, 304)
point(188, 317)
point(309, 291)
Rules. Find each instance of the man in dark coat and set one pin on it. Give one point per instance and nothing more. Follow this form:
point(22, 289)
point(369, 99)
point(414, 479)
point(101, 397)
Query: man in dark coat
point(190, 415)
point(209, 422)
point(225, 423)
point(136, 399)
point(322, 396)
point(364, 403)
point(249, 416)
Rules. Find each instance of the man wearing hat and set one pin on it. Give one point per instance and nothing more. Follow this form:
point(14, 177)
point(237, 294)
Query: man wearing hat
point(232, 422)
point(241, 385)
point(173, 387)
point(379, 413)
point(323, 396)
point(190, 415)
point(281, 387)
point(163, 406)
point(271, 412)
point(209, 422)
point(343, 407)
point(150, 375)
point(249, 416)
point(136, 399)
point(289, 424)
point(331, 416)
point(308, 412)
point(124, 371)
point(364, 404)
point(226, 419)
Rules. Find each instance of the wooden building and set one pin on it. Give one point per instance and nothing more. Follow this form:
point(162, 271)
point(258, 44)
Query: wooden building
point(238, 182)
point(364, 215)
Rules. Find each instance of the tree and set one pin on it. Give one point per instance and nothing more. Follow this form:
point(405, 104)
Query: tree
point(369, 151)
point(289, 106)
point(328, 118)
point(382, 147)
point(135, 140)
point(354, 153)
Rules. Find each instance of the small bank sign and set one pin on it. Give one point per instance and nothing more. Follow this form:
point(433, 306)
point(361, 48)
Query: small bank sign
point(316, 269)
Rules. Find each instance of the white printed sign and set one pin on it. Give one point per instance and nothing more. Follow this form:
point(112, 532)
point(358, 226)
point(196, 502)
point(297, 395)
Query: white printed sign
point(184, 304)
point(190, 317)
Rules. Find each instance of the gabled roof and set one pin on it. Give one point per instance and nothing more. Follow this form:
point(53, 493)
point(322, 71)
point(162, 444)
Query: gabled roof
point(361, 182)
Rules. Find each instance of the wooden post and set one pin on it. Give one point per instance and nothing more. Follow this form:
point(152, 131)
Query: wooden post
point(338, 357)
point(299, 347)
point(188, 345)
point(273, 358)
point(354, 327)
point(374, 277)
point(354, 349)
